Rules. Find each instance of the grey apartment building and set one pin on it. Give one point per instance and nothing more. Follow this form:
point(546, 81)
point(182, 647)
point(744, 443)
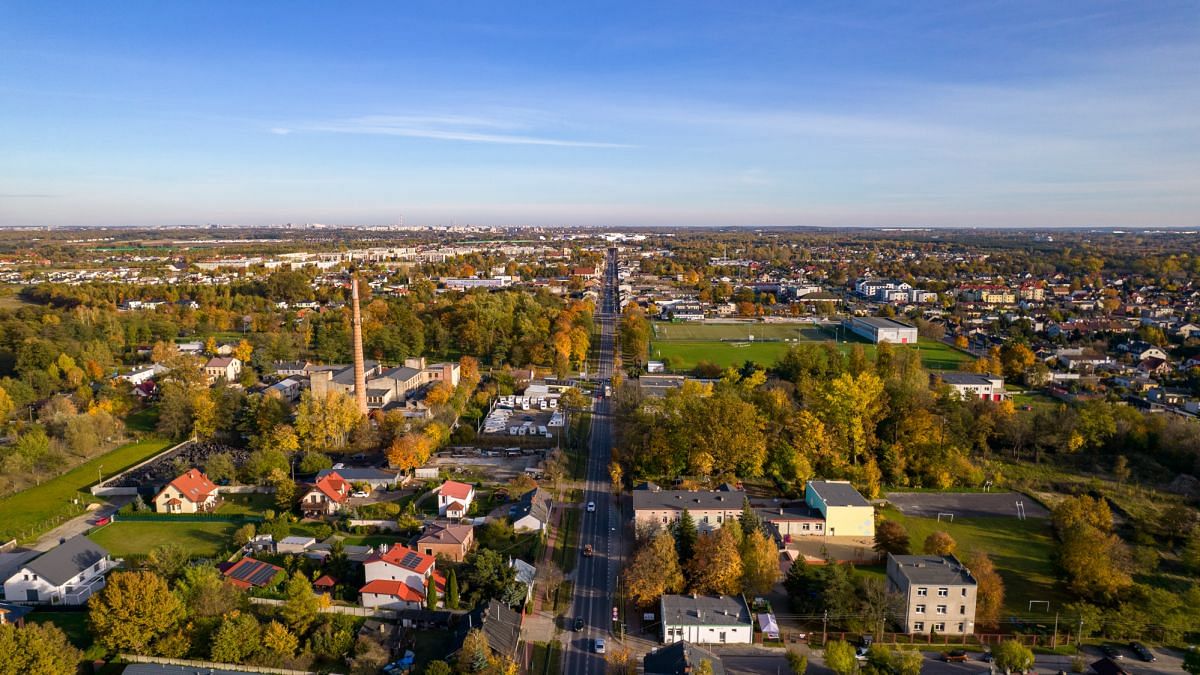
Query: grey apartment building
point(938, 593)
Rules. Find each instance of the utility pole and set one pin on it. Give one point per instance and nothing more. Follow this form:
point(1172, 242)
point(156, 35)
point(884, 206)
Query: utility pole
point(824, 626)
point(1054, 640)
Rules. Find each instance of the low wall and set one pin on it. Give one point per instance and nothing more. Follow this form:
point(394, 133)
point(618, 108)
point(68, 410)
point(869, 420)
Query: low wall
point(389, 525)
point(211, 665)
point(99, 490)
point(245, 489)
point(352, 610)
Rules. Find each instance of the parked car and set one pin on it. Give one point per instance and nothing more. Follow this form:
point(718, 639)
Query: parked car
point(578, 623)
point(955, 656)
point(360, 494)
point(986, 657)
point(865, 645)
point(598, 645)
point(1142, 652)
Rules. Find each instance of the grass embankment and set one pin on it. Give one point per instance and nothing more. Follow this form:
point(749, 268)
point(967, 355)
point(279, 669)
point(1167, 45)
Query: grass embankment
point(34, 511)
point(1022, 551)
point(546, 658)
point(568, 541)
point(577, 445)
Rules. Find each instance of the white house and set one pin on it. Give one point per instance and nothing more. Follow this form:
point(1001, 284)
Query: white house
point(143, 374)
point(706, 619)
point(396, 579)
point(454, 499)
point(971, 385)
point(65, 575)
point(532, 511)
point(228, 367)
point(191, 492)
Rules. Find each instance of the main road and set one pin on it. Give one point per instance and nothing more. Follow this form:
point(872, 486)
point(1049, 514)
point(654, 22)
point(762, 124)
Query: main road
point(596, 576)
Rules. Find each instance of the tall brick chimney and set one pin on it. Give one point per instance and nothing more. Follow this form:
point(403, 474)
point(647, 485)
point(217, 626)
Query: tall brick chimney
point(360, 372)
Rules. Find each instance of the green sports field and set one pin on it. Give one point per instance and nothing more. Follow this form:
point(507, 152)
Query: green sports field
point(687, 344)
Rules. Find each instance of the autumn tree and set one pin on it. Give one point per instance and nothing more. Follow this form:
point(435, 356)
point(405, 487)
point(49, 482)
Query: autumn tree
point(238, 638)
point(989, 594)
point(1011, 656)
point(654, 570)
point(716, 566)
point(797, 662)
point(1094, 559)
point(279, 642)
point(940, 543)
point(37, 648)
point(326, 422)
point(300, 605)
point(840, 657)
point(760, 562)
point(132, 611)
point(168, 560)
point(891, 537)
point(409, 451)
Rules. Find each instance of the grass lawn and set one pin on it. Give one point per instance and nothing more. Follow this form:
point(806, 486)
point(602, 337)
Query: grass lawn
point(568, 540)
point(143, 420)
point(1034, 400)
point(685, 354)
point(871, 572)
point(253, 503)
point(546, 658)
point(430, 645)
point(201, 539)
point(737, 331)
point(31, 512)
point(1022, 551)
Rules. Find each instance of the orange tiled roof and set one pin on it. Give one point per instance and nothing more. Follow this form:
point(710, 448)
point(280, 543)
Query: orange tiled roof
point(194, 485)
point(455, 490)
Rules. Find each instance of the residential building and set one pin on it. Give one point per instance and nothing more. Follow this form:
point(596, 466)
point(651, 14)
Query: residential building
point(191, 492)
point(227, 367)
point(878, 329)
point(396, 578)
point(67, 574)
point(12, 614)
point(501, 627)
point(250, 573)
point(326, 497)
point(532, 511)
point(972, 385)
point(937, 592)
point(454, 499)
point(377, 479)
point(655, 508)
point(845, 511)
point(681, 658)
point(706, 619)
point(452, 540)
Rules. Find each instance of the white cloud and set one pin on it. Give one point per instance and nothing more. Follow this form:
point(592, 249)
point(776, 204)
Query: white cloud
point(448, 128)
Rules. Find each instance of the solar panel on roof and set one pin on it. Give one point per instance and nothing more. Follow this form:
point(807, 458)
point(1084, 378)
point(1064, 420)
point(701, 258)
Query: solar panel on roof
point(411, 560)
point(262, 575)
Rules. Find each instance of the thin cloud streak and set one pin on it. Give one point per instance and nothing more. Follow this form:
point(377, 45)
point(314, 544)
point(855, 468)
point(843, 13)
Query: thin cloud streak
point(442, 128)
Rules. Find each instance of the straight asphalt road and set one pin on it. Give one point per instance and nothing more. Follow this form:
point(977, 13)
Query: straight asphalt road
point(596, 576)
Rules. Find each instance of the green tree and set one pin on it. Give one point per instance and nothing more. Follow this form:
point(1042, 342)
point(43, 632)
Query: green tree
point(431, 594)
point(205, 594)
point(238, 638)
point(6, 404)
point(475, 655)
point(1010, 655)
point(168, 560)
point(285, 489)
point(686, 535)
point(132, 611)
point(219, 467)
point(1191, 661)
point(36, 649)
point(751, 522)
point(839, 657)
point(438, 668)
point(797, 662)
point(452, 590)
point(301, 605)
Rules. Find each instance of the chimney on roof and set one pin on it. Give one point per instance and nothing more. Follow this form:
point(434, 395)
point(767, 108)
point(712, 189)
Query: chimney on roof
point(360, 374)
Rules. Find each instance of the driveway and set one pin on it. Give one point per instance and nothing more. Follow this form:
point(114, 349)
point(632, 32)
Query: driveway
point(13, 561)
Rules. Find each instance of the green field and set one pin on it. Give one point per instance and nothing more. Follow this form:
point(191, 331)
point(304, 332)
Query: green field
point(201, 539)
point(687, 344)
point(1022, 551)
point(31, 512)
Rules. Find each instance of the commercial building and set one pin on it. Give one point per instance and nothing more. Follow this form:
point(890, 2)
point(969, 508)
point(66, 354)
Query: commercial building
point(971, 385)
point(938, 593)
point(655, 508)
point(877, 329)
point(845, 512)
point(706, 619)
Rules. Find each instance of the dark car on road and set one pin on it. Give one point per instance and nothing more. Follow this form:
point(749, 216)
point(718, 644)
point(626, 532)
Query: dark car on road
point(1142, 652)
point(578, 624)
point(955, 656)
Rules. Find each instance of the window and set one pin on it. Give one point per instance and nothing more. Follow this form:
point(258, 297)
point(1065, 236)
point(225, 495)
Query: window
point(962, 609)
point(804, 527)
point(918, 626)
point(943, 592)
point(961, 628)
point(722, 637)
point(919, 609)
point(718, 520)
point(941, 609)
point(922, 592)
point(705, 521)
point(664, 520)
point(940, 627)
point(964, 592)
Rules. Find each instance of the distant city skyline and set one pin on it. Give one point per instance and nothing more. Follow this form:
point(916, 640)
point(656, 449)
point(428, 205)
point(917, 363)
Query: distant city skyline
point(1021, 114)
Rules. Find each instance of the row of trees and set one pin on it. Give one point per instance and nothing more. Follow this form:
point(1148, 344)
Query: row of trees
point(739, 557)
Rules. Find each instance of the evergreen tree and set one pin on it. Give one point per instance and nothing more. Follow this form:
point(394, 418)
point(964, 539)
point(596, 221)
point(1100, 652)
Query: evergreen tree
point(431, 596)
point(751, 522)
point(685, 536)
point(452, 591)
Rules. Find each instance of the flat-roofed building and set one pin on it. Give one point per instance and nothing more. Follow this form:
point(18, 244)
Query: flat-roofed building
point(846, 512)
point(938, 593)
point(655, 508)
point(878, 329)
point(706, 619)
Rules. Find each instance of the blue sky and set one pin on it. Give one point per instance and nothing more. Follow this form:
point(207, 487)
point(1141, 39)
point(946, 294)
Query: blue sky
point(643, 113)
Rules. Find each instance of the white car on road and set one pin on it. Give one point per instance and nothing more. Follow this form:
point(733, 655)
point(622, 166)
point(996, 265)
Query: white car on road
point(591, 507)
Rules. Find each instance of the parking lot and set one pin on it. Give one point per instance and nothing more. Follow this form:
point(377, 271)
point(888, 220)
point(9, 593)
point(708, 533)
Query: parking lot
point(499, 468)
point(967, 504)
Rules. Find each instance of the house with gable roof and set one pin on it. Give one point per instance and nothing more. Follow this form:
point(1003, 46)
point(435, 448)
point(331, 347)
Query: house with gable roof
point(454, 499)
point(396, 579)
point(326, 497)
point(67, 574)
point(191, 492)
